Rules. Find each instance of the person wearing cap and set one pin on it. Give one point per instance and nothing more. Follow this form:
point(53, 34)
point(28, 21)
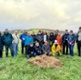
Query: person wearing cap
point(65, 42)
point(28, 41)
point(78, 40)
point(1, 45)
point(56, 49)
point(7, 40)
point(46, 48)
point(22, 38)
point(71, 42)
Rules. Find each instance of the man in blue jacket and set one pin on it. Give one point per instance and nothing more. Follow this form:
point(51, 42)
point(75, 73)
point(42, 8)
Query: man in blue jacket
point(28, 41)
point(22, 37)
point(1, 45)
point(7, 39)
point(65, 42)
point(71, 42)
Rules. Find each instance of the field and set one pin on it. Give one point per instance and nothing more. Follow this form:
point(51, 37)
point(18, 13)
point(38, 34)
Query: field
point(18, 68)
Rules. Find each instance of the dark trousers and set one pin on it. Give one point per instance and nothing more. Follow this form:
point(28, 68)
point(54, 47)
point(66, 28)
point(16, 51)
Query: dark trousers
point(11, 49)
point(26, 49)
point(65, 48)
point(0, 53)
point(79, 48)
point(22, 48)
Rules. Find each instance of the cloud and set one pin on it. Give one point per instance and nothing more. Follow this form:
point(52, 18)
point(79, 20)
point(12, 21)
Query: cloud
point(54, 14)
point(18, 9)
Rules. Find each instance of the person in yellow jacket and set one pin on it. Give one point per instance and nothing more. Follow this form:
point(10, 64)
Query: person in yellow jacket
point(56, 49)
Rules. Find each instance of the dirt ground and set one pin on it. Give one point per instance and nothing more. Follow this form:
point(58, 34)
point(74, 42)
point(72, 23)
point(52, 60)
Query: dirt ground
point(45, 61)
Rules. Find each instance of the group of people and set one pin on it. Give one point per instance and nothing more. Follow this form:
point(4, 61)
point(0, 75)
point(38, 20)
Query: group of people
point(40, 43)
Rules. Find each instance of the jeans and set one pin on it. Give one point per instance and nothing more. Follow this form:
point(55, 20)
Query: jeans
point(71, 49)
point(11, 49)
point(15, 49)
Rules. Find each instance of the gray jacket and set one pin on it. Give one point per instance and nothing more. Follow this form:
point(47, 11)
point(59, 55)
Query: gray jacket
point(46, 48)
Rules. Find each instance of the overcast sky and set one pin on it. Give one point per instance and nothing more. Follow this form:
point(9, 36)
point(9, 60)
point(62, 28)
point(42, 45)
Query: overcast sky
point(50, 14)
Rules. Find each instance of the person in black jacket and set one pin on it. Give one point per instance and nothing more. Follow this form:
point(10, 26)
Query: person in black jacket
point(1, 45)
point(7, 40)
point(51, 38)
point(38, 49)
point(78, 40)
point(39, 38)
point(31, 51)
point(65, 42)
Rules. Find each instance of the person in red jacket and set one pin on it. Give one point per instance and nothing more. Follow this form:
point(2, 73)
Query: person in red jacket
point(59, 40)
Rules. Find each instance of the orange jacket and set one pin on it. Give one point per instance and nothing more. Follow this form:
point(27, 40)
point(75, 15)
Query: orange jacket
point(59, 40)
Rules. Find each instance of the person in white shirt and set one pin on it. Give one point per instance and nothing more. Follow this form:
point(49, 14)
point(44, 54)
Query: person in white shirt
point(15, 43)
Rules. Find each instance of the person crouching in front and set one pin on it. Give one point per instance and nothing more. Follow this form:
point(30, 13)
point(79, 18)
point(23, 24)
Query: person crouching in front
point(56, 49)
point(38, 49)
point(31, 51)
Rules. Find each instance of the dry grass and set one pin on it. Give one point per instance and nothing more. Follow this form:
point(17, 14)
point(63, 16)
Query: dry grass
point(45, 61)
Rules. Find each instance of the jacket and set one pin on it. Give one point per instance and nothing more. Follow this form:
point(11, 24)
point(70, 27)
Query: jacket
point(7, 39)
point(22, 37)
point(65, 38)
point(38, 48)
point(31, 50)
point(28, 40)
point(71, 39)
point(39, 37)
point(1, 43)
point(54, 49)
point(59, 40)
point(46, 48)
point(15, 39)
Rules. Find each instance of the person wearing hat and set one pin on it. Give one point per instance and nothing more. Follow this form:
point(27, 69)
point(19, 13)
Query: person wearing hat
point(78, 40)
point(65, 42)
point(71, 42)
point(56, 49)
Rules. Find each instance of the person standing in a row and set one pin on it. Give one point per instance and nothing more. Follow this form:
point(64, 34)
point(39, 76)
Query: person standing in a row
point(22, 37)
point(1, 46)
point(28, 40)
point(15, 43)
point(79, 41)
point(71, 42)
point(65, 42)
point(7, 40)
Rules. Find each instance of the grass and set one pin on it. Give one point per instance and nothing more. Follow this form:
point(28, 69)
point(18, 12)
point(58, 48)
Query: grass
point(18, 68)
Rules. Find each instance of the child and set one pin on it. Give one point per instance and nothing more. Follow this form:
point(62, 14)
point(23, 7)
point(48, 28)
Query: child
point(31, 51)
point(38, 49)
point(46, 48)
point(56, 49)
